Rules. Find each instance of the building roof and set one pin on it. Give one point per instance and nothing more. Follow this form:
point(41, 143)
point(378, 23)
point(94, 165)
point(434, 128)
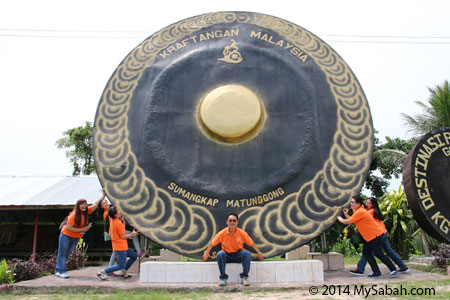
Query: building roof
point(34, 191)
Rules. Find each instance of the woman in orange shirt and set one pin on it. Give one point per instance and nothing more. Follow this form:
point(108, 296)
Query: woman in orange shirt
point(372, 234)
point(104, 204)
point(77, 225)
point(120, 245)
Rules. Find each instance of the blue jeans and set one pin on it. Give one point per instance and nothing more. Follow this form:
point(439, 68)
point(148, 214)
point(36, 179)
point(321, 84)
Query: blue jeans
point(66, 245)
point(376, 245)
point(389, 251)
point(122, 262)
point(242, 256)
point(136, 246)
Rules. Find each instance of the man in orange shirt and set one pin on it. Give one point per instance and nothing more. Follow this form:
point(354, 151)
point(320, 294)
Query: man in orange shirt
point(232, 239)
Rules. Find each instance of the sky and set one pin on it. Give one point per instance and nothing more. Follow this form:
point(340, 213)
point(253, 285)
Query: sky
point(57, 56)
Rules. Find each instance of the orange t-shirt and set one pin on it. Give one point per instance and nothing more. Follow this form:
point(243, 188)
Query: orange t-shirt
point(71, 221)
point(366, 224)
point(378, 221)
point(117, 228)
point(232, 243)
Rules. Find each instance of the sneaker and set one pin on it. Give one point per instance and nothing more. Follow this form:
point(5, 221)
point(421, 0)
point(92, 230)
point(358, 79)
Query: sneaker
point(223, 282)
point(356, 272)
point(404, 271)
point(245, 282)
point(374, 275)
point(123, 275)
point(102, 276)
point(393, 273)
point(57, 274)
point(63, 275)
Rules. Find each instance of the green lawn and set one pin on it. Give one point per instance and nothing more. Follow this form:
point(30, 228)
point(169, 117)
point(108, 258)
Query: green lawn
point(429, 289)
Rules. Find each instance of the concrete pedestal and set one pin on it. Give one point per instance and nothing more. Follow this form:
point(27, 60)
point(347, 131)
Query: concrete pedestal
point(167, 255)
point(208, 272)
point(332, 261)
point(299, 253)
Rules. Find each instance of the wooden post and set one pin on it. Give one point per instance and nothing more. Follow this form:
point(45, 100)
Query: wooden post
point(426, 247)
point(36, 222)
point(323, 239)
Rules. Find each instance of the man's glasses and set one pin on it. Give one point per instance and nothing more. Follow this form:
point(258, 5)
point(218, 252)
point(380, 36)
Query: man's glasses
point(232, 220)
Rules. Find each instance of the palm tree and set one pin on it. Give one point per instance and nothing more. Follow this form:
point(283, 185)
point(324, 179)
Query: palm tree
point(435, 116)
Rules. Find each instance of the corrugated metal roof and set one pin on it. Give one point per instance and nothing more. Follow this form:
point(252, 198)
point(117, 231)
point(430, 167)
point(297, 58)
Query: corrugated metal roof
point(47, 190)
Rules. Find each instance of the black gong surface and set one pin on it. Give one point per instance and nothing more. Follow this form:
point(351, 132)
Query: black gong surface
point(176, 184)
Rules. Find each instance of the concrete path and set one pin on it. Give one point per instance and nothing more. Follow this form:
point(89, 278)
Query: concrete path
point(86, 279)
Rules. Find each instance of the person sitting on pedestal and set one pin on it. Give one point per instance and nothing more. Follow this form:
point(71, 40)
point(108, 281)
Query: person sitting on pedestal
point(232, 239)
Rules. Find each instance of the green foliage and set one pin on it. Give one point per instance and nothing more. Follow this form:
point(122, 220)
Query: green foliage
point(399, 221)
point(82, 248)
point(78, 142)
point(434, 116)
point(331, 235)
point(344, 245)
point(6, 273)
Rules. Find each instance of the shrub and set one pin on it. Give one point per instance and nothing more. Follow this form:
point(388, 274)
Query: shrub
point(25, 269)
point(442, 257)
point(75, 260)
point(399, 222)
point(6, 274)
point(47, 262)
point(344, 245)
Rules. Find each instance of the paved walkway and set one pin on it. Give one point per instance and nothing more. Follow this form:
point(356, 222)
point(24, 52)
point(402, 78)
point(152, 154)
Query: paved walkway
point(86, 279)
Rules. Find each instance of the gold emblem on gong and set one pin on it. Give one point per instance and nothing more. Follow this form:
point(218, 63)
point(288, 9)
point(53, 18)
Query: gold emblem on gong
point(231, 53)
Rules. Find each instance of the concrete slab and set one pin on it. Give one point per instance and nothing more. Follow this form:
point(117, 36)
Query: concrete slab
point(86, 280)
point(208, 272)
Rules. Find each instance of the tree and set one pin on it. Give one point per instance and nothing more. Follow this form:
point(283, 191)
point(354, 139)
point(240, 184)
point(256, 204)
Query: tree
point(78, 142)
point(376, 184)
point(388, 159)
point(435, 116)
point(391, 156)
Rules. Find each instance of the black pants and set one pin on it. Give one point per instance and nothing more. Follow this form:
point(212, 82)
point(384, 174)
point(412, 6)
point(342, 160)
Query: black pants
point(376, 245)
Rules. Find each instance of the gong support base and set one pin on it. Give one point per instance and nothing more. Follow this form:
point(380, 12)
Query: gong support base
point(208, 272)
point(332, 261)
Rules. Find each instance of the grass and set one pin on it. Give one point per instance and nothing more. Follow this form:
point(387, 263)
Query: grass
point(429, 289)
point(428, 268)
point(128, 295)
point(351, 260)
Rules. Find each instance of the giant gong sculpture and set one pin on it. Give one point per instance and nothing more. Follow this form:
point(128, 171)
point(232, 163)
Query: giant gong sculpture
point(232, 111)
point(425, 177)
